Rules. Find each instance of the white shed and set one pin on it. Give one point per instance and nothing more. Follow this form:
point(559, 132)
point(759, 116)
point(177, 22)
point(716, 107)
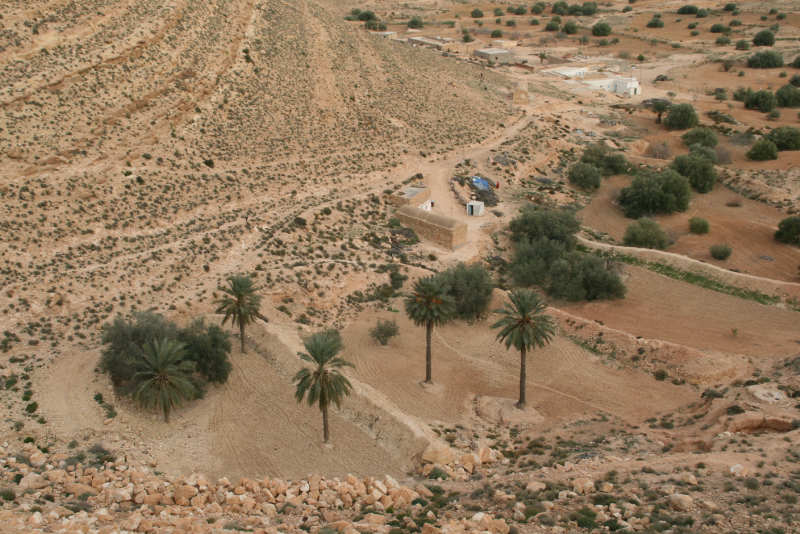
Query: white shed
point(475, 208)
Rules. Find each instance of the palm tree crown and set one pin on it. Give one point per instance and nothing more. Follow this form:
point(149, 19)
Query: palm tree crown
point(242, 303)
point(429, 305)
point(322, 383)
point(524, 325)
point(164, 377)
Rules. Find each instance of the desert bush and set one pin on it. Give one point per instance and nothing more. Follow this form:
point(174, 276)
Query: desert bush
point(601, 29)
point(655, 23)
point(681, 117)
point(774, 115)
point(721, 251)
point(736, 22)
point(717, 28)
point(552, 26)
point(723, 41)
point(415, 23)
point(700, 136)
point(764, 38)
point(533, 260)
point(603, 42)
point(701, 13)
point(471, 288)
point(513, 23)
point(729, 7)
point(795, 80)
point(698, 225)
point(653, 193)
point(496, 34)
point(608, 162)
point(789, 230)
point(692, 25)
point(788, 96)
point(208, 347)
point(785, 138)
point(742, 44)
point(585, 175)
point(532, 224)
point(704, 152)
point(534, 22)
point(688, 9)
point(384, 330)
point(763, 150)
point(694, 33)
point(476, 13)
point(764, 101)
point(700, 171)
point(645, 233)
point(796, 62)
point(766, 59)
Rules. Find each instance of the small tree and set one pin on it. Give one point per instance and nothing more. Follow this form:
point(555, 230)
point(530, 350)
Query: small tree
point(789, 230)
point(163, 377)
point(601, 29)
point(524, 326)
point(496, 34)
point(764, 101)
point(762, 150)
point(645, 233)
point(476, 13)
point(659, 107)
point(764, 38)
point(415, 23)
point(384, 330)
point(429, 305)
point(585, 176)
point(655, 23)
point(767, 59)
point(470, 287)
point(700, 171)
point(552, 26)
point(606, 161)
point(698, 225)
point(241, 304)
point(687, 9)
point(649, 194)
point(571, 27)
point(681, 117)
point(788, 96)
point(700, 136)
point(533, 224)
point(785, 138)
point(208, 347)
point(742, 44)
point(721, 251)
point(322, 383)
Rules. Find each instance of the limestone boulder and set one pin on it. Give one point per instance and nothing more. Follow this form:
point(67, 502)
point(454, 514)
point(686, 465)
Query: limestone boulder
point(583, 485)
point(438, 456)
point(681, 503)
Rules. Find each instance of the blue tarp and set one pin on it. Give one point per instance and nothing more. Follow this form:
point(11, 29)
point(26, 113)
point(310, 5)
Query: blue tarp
point(480, 183)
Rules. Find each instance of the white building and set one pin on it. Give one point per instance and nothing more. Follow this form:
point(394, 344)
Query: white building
point(475, 208)
point(616, 84)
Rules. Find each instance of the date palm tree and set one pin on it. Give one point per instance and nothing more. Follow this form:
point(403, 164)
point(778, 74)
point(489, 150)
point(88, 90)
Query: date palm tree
point(524, 325)
point(163, 377)
point(322, 383)
point(429, 305)
point(241, 304)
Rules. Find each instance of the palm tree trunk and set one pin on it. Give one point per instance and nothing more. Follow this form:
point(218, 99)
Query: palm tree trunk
point(428, 372)
point(241, 333)
point(522, 376)
point(325, 430)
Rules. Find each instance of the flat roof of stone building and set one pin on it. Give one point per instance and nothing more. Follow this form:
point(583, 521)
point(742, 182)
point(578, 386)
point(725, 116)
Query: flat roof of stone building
point(442, 221)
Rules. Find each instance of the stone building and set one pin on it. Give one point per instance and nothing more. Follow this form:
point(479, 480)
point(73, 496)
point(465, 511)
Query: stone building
point(442, 230)
point(416, 196)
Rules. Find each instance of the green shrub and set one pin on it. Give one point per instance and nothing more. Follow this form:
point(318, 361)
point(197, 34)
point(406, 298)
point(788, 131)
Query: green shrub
point(645, 233)
point(601, 29)
point(721, 251)
point(415, 23)
point(496, 34)
point(774, 115)
point(700, 171)
point(762, 150)
point(208, 347)
point(789, 230)
point(688, 9)
point(580, 276)
point(384, 330)
point(476, 13)
point(796, 62)
point(736, 22)
point(533, 224)
point(534, 22)
point(661, 375)
point(655, 23)
point(785, 138)
point(521, 10)
point(585, 175)
point(764, 38)
point(533, 260)
point(552, 26)
point(788, 96)
point(471, 288)
point(729, 7)
point(692, 25)
point(698, 225)
point(795, 79)
point(437, 473)
point(654, 193)
point(700, 136)
point(694, 33)
point(8, 494)
point(764, 101)
point(681, 117)
point(606, 161)
point(704, 152)
point(570, 28)
point(718, 28)
point(701, 13)
point(766, 59)
point(742, 44)
point(723, 41)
